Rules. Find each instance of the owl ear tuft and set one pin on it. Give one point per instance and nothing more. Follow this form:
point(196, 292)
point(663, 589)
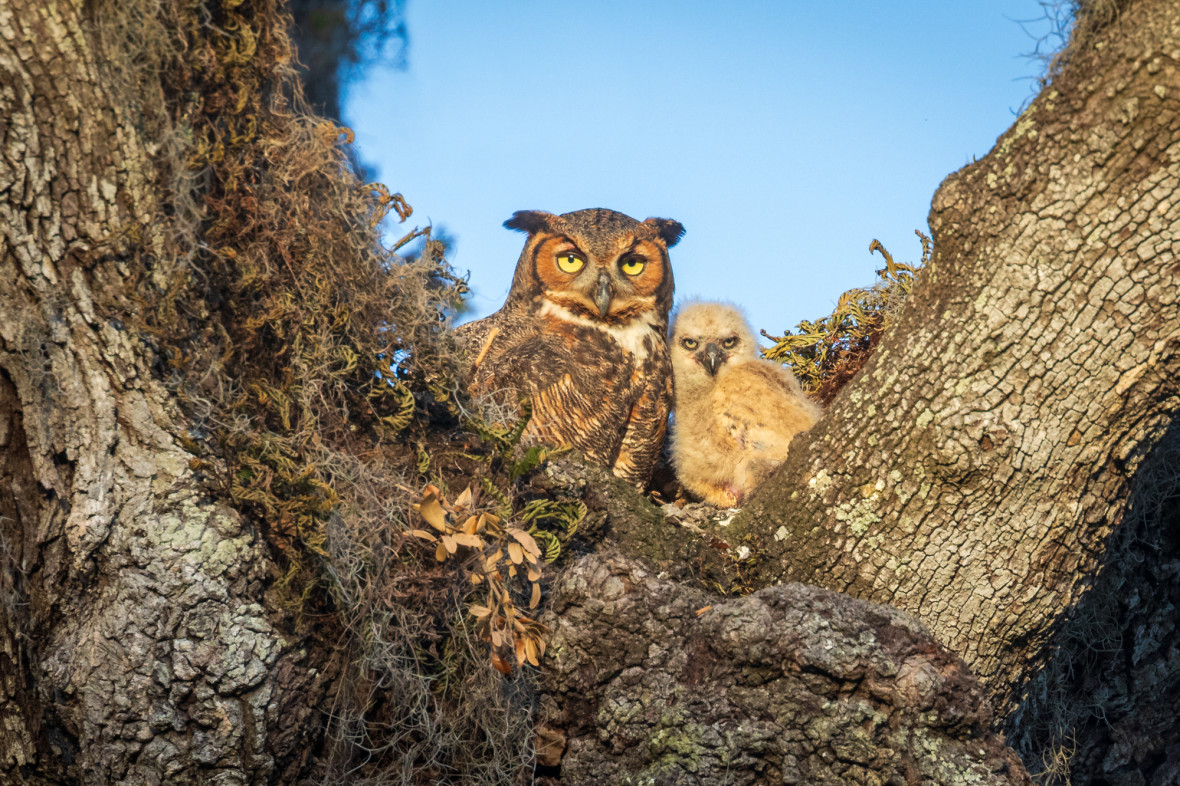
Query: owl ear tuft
point(669, 231)
point(531, 221)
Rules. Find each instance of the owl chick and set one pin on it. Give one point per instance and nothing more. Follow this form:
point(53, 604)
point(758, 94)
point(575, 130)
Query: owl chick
point(735, 413)
point(582, 334)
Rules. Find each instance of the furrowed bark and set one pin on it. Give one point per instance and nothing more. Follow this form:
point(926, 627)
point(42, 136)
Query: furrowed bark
point(136, 642)
point(792, 684)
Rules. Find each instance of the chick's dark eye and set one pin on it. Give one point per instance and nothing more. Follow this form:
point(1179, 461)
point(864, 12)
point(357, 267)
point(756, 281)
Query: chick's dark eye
point(730, 342)
point(689, 343)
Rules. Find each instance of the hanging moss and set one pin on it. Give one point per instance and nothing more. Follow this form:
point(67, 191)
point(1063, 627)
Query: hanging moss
point(320, 389)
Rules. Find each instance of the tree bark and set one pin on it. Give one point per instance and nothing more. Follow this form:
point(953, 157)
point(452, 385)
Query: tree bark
point(136, 644)
point(792, 684)
point(1103, 709)
point(969, 475)
point(972, 471)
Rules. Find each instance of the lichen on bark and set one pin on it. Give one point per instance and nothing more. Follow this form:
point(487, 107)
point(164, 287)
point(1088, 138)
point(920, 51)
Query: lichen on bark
point(135, 606)
point(970, 473)
point(654, 682)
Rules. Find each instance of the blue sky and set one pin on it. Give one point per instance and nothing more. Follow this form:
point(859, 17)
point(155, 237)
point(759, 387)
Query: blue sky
point(784, 135)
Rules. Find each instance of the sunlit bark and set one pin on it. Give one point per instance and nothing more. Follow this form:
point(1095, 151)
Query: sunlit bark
point(135, 642)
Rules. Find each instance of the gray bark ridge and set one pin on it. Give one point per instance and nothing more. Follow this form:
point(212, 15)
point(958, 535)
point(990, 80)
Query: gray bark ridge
point(135, 642)
point(971, 473)
point(653, 682)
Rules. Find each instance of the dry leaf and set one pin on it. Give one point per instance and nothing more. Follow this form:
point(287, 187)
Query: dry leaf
point(478, 610)
point(526, 540)
point(432, 512)
point(511, 570)
point(464, 499)
point(501, 665)
point(534, 573)
point(491, 561)
point(440, 553)
point(421, 533)
point(470, 525)
point(497, 638)
point(476, 578)
point(530, 651)
point(450, 544)
point(515, 553)
point(536, 597)
point(464, 539)
point(520, 651)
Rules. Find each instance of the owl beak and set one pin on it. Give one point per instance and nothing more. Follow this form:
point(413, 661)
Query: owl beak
point(603, 292)
point(712, 358)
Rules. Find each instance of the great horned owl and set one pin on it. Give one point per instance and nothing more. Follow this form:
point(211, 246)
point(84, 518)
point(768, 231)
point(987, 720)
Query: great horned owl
point(735, 413)
point(582, 334)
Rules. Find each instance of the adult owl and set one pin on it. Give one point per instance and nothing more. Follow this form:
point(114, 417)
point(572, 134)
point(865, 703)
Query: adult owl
point(735, 413)
point(582, 334)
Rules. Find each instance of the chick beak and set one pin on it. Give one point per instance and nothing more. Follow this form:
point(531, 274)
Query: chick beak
point(712, 358)
point(603, 293)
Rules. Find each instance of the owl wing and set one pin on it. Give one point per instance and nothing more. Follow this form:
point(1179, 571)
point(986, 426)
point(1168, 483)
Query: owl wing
point(573, 380)
point(647, 421)
point(759, 408)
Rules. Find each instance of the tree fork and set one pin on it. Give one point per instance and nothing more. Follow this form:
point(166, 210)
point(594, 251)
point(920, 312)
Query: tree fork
point(969, 474)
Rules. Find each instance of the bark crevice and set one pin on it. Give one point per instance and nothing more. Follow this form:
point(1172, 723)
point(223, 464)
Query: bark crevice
point(792, 684)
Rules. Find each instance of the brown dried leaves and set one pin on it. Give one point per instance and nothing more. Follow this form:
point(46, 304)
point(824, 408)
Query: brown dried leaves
point(494, 554)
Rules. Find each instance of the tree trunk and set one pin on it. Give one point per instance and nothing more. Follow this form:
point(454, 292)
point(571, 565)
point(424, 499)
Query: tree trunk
point(969, 475)
point(136, 645)
point(1103, 709)
point(972, 471)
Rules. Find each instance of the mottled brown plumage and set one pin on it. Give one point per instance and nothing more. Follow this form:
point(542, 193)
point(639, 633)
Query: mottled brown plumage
point(736, 413)
point(582, 333)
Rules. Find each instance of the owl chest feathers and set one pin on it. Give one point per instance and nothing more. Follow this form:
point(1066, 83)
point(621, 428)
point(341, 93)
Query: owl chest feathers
point(638, 338)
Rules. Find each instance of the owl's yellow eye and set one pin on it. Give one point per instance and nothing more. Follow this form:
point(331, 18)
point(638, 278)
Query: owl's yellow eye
point(633, 266)
point(569, 262)
point(689, 343)
point(730, 342)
